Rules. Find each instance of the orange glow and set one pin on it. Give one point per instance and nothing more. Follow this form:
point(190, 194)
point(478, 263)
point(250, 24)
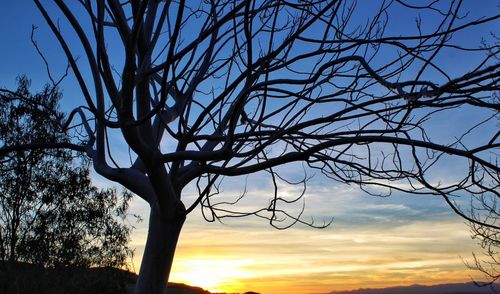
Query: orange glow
point(242, 257)
point(211, 274)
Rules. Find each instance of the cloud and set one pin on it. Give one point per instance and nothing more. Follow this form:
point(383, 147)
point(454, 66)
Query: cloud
point(373, 241)
point(277, 262)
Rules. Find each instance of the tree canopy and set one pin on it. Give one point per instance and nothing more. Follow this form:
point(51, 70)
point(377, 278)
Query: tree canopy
point(50, 213)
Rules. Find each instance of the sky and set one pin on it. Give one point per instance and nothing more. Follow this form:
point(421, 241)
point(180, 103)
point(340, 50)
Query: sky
point(372, 242)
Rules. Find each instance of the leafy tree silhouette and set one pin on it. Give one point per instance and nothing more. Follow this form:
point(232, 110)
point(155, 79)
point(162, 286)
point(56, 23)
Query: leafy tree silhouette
point(50, 213)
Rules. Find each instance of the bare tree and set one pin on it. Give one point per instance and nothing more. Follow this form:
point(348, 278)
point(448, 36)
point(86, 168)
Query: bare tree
point(202, 90)
point(484, 209)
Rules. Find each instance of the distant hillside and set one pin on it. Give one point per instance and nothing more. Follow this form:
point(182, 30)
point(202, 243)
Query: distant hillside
point(23, 278)
point(175, 288)
point(467, 288)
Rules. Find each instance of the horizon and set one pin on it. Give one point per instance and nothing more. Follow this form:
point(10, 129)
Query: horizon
point(347, 256)
point(373, 242)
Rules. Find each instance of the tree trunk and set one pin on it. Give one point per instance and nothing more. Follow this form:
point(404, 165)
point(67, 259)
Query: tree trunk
point(163, 234)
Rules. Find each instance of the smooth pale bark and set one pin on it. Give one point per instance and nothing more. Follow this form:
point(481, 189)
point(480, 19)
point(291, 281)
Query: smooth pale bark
point(163, 234)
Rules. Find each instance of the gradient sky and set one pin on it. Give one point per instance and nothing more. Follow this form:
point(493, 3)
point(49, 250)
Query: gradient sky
point(373, 242)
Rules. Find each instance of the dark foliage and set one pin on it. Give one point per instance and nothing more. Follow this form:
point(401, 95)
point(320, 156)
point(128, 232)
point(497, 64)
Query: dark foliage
point(27, 278)
point(31, 279)
point(50, 213)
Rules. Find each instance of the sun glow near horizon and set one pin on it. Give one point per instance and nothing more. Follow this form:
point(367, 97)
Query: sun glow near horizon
point(210, 273)
point(245, 256)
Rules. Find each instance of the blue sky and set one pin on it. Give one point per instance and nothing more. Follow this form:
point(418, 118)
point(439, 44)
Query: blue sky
point(406, 239)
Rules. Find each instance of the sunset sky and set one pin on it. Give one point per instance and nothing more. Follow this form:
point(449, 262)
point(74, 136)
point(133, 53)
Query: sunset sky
point(372, 241)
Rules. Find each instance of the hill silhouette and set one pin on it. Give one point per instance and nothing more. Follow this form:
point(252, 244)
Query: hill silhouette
point(464, 288)
point(24, 278)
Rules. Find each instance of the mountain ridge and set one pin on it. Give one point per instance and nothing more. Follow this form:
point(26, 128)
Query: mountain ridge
point(451, 288)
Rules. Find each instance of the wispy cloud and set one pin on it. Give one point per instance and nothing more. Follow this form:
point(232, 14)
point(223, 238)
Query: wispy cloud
point(373, 242)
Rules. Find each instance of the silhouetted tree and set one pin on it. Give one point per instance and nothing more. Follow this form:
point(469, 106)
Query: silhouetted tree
point(200, 90)
point(484, 209)
point(50, 213)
